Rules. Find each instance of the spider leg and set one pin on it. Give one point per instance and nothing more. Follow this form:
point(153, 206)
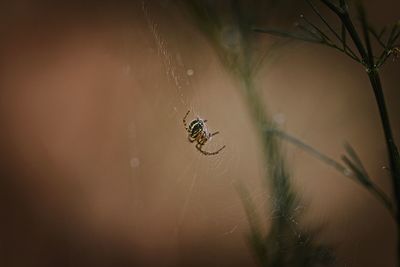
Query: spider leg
point(191, 140)
point(211, 135)
point(206, 153)
point(184, 120)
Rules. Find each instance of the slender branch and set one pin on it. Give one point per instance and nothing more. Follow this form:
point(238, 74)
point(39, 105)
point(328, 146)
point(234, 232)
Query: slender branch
point(364, 25)
point(309, 149)
point(377, 37)
point(358, 175)
point(389, 46)
point(382, 33)
point(354, 35)
point(392, 149)
point(362, 177)
point(392, 43)
point(344, 36)
point(315, 28)
point(383, 57)
point(346, 20)
point(312, 33)
point(316, 11)
point(344, 51)
point(288, 35)
point(386, 200)
point(392, 36)
point(338, 10)
point(343, 5)
point(352, 153)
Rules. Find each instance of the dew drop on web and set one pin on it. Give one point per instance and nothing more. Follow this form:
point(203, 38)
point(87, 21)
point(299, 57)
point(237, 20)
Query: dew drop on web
point(134, 163)
point(190, 72)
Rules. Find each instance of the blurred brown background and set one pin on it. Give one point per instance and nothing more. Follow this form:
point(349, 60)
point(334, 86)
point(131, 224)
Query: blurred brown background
point(96, 169)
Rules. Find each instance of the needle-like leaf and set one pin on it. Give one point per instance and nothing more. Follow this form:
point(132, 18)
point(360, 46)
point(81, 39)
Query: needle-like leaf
point(286, 34)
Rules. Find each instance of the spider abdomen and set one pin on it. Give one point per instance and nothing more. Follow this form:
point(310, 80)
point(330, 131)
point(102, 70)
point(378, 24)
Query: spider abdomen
point(196, 127)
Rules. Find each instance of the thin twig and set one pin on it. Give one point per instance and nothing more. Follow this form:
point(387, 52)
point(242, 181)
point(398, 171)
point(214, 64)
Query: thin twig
point(396, 37)
point(377, 37)
point(343, 5)
point(316, 11)
point(356, 159)
point(367, 39)
point(344, 36)
point(382, 33)
point(338, 10)
point(383, 57)
point(312, 33)
point(288, 35)
point(392, 35)
point(309, 149)
point(355, 173)
point(315, 28)
point(344, 51)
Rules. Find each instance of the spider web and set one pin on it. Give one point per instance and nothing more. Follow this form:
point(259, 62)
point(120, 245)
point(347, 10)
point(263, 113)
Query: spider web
point(184, 81)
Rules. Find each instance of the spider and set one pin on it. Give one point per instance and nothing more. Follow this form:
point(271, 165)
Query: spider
point(198, 132)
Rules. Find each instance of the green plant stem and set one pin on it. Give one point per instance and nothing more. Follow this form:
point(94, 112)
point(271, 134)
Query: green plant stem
point(376, 85)
point(374, 189)
point(277, 176)
point(354, 35)
point(393, 152)
point(373, 74)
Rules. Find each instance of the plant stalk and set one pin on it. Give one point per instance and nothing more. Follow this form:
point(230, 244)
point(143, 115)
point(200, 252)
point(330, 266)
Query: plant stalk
point(373, 74)
point(394, 158)
point(376, 84)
